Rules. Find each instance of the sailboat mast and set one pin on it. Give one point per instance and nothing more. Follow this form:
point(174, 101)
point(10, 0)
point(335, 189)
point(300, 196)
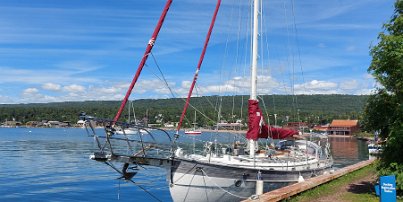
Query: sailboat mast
point(255, 48)
point(198, 66)
point(253, 79)
point(149, 47)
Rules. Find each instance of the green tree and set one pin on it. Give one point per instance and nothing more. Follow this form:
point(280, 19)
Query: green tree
point(384, 109)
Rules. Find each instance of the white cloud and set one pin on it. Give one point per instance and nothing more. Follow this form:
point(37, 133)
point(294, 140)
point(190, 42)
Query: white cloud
point(316, 87)
point(364, 91)
point(74, 88)
point(41, 76)
point(349, 85)
point(32, 95)
point(5, 99)
point(315, 84)
point(29, 91)
point(76, 46)
point(108, 90)
point(51, 86)
point(368, 76)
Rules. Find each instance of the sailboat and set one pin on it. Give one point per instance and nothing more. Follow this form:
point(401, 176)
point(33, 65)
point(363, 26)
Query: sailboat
point(221, 171)
point(131, 130)
point(194, 131)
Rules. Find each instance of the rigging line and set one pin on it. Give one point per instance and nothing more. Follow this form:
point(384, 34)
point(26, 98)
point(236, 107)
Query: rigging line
point(141, 187)
point(238, 33)
point(203, 114)
point(162, 75)
point(149, 47)
point(298, 49)
point(205, 185)
point(261, 55)
point(127, 140)
point(289, 48)
point(222, 189)
point(211, 104)
point(237, 55)
point(187, 192)
point(269, 72)
point(265, 37)
point(200, 96)
point(154, 73)
point(187, 172)
point(293, 109)
point(222, 90)
point(165, 81)
point(222, 66)
point(264, 106)
point(245, 55)
point(199, 64)
point(233, 108)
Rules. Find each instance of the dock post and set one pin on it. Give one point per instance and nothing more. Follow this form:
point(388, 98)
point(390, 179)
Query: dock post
point(259, 184)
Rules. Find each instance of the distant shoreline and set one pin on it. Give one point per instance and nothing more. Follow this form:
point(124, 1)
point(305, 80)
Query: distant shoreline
point(208, 130)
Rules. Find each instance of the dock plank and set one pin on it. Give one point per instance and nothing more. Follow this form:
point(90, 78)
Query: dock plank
point(288, 191)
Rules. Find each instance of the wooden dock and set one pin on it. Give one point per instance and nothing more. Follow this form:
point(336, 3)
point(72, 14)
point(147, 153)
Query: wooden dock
point(288, 191)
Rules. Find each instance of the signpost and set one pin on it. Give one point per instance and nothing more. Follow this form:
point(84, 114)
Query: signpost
point(387, 188)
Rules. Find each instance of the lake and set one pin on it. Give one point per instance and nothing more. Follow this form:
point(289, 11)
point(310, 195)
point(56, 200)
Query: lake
point(52, 164)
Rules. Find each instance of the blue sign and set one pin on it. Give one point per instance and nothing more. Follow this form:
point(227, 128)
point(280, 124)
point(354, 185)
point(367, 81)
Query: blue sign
point(387, 185)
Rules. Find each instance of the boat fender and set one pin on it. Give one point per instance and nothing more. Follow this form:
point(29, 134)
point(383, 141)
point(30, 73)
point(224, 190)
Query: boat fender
point(179, 152)
point(301, 179)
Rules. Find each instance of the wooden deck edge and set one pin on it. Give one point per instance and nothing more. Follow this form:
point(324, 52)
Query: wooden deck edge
point(288, 191)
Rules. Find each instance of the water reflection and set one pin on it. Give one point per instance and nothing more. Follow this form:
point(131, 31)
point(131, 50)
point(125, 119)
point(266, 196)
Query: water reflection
point(347, 150)
point(53, 165)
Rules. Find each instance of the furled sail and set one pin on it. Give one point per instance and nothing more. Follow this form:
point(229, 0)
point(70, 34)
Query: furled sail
point(259, 129)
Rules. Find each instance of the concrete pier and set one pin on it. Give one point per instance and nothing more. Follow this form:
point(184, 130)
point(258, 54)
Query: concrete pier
point(288, 191)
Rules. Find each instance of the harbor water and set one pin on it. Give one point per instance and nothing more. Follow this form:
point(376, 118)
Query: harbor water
point(52, 164)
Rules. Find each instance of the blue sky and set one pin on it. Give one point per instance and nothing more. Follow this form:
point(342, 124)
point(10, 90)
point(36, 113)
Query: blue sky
point(75, 50)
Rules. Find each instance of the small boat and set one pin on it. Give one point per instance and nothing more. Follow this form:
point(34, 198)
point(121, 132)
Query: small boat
point(129, 131)
point(374, 149)
point(194, 131)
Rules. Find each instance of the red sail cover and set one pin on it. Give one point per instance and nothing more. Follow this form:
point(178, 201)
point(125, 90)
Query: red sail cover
point(259, 129)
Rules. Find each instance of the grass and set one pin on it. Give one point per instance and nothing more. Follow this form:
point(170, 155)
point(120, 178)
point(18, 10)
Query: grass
point(335, 189)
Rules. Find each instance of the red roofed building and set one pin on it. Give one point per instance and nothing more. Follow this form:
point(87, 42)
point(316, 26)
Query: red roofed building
point(343, 127)
point(321, 128)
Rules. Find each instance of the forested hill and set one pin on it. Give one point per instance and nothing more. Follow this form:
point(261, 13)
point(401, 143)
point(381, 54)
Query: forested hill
point(311, 108)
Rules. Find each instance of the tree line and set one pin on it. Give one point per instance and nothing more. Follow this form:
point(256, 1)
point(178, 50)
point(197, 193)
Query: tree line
point(315, 109)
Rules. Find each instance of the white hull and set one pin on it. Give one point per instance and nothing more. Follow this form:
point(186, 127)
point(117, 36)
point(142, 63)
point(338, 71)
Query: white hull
point(131, 131)
point(200, 181)
point(192, 132)
point(201, 188)
point(374, 149)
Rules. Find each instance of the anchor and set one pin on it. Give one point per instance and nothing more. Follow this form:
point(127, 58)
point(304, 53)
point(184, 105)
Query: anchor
point(127, 175)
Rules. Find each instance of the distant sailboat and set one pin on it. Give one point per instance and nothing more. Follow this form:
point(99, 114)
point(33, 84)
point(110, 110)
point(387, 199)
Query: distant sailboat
point(194, 131)
point(130, 130)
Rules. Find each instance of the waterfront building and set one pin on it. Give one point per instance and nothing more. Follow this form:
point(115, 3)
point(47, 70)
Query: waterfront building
point(343, 127)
